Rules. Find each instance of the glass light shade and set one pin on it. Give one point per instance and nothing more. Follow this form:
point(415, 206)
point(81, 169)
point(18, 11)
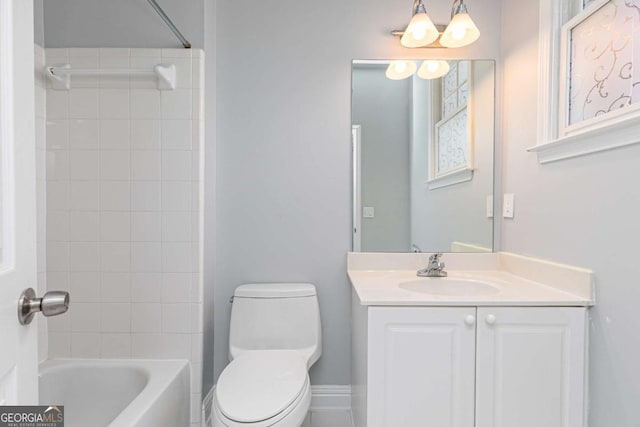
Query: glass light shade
point(420, 31)
point(433, 69)
point(461, 31)
point(398, 70)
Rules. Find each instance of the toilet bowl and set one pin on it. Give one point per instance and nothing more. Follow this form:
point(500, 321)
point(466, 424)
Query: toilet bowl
point(274, 339)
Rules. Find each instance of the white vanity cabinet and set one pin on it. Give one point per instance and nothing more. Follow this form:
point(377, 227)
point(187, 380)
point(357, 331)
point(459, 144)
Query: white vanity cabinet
point(469, 366)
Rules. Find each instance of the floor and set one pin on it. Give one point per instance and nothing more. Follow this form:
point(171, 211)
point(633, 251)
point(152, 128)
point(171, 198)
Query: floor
point(337, 418)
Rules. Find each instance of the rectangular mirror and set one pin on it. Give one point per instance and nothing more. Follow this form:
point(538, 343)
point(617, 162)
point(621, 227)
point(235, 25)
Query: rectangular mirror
point(423, 155)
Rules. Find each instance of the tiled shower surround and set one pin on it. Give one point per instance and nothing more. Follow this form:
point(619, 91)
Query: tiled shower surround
point(123, 173)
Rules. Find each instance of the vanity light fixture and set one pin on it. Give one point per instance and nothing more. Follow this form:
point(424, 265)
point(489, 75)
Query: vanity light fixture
point(421, 32)
point(430, 69)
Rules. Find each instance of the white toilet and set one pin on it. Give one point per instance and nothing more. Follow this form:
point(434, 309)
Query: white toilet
point(274, 338)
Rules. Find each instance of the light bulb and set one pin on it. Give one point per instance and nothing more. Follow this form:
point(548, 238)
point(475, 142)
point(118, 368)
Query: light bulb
point(400, 69)
point(433, 69)
point(461, 31)
point(420, 31)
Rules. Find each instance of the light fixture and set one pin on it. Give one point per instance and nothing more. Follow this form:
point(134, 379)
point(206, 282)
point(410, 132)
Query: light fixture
point(400, 69)
point(433, 69)
point(430, 69)
point(421, 32)
point(461, 31)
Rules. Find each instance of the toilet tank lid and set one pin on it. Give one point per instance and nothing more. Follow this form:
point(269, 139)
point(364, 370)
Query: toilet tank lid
point(275, 290)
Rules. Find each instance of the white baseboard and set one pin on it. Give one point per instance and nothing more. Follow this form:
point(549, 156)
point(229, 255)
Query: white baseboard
point(330, 397)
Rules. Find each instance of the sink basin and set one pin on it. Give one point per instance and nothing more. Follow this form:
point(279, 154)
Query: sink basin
point(451, 286)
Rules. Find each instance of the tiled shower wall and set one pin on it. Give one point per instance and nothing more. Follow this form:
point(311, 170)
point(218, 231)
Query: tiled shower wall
point(123, 206)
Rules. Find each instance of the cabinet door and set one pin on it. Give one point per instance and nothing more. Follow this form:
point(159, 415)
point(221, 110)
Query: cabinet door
point(530, 367)
point(421, 369)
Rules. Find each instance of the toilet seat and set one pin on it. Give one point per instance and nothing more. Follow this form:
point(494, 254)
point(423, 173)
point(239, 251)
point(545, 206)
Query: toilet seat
point(261, 387)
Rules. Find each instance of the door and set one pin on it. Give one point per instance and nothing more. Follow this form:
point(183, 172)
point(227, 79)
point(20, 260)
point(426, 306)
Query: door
point(18, 344)
point(357, 187)
point(531, 367)
point(421, 369)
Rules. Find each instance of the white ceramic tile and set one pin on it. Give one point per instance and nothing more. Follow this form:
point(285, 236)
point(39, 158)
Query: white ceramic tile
point(145, 134)
point(196, 403)
point(114, 103)
point(61, 323)
point(57, 256)
point(176, 346)
point(115, 165)
point(116, 256)
point(57, 165)
point(145, 165)
point(176, 134)
point(117, 81)
point(145, 195)
point(145, 257)
point(114, 51)
point(183, 72)
point(115, 317)
point(196, 288)
point(196, 347)
point(115, 195)
point(84, 195)
point(115, 346)
point(85, 226)
point(114, 135)
point(81, 60)
point(80, 52)
point(197, 317)
point(146, 318)
point(59, 345)
point(197, 73)
point(176, 165)
point(84, 256)
point(115, 287)
point(176, 319)
point(84, 286)
point(196, 377)
point(138, 81)
point(176, 226)
point(58, 226)
point(57, 137)
point(146, 287)
point(176, 104)
point(115, 226)
point(197, 106)
point(83, 103)
point(84, 165)
point(145, 104)
point(146, 346)
point(85, 317)
point(145, 226)
point(57, 195)
point(176, 53)
point(83, 134)
point(176, 257)
point(176, 196)
point(58, 280)
point(85, 345)
point(145, 52)
point(57, 54)
point(176, 287)
point(57, 104)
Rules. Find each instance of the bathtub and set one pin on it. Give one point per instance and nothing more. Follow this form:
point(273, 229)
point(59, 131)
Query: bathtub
point(118, 393)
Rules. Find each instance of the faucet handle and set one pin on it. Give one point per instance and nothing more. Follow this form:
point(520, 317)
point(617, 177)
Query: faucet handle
point(435, 257)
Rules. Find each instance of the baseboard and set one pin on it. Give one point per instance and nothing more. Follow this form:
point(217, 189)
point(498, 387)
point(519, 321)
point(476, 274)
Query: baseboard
point(330, 397)
point(323, 398)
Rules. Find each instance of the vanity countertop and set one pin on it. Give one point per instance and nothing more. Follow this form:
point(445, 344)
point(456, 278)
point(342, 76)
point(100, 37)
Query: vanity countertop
point(498, 279)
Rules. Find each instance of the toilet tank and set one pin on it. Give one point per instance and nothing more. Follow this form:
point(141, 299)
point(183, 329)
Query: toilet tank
point(276, 316)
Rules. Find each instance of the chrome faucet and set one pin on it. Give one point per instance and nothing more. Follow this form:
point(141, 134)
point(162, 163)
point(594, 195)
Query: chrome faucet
point(435, 267)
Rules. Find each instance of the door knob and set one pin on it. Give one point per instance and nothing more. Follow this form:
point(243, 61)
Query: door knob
point(52, 303)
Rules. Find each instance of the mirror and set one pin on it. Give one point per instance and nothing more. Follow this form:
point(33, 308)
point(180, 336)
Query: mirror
point(423, 156)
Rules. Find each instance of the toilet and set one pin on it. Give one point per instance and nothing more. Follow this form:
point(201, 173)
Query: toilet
point(274, 338)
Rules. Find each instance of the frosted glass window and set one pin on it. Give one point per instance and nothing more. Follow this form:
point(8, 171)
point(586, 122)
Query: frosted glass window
point(604, 48)
point(453, 143)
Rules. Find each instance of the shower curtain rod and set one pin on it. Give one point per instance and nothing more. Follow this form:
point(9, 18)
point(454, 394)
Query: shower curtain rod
point(170, 24)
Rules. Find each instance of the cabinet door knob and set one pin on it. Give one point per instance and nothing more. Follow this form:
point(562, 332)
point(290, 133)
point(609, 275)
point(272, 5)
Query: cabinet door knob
point(470, 319)
point(490, 319)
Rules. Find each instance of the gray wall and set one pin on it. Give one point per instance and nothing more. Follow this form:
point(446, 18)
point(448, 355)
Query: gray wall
point(457, 212)
point(382, 107)
point(120, 23)
point(283, 150)
point(582, 211)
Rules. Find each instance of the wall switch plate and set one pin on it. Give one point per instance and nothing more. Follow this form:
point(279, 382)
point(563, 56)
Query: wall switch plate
point(508, 205)
point(368, 212)
point(490, 206)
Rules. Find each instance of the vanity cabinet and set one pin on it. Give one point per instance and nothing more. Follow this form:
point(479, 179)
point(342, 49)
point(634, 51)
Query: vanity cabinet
point(469, 366)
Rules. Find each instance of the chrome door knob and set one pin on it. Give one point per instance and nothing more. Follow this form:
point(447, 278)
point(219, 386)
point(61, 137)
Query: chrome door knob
point(52, 303)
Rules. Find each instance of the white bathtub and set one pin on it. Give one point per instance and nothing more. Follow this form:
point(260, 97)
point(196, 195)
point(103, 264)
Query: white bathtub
point(118, 393)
